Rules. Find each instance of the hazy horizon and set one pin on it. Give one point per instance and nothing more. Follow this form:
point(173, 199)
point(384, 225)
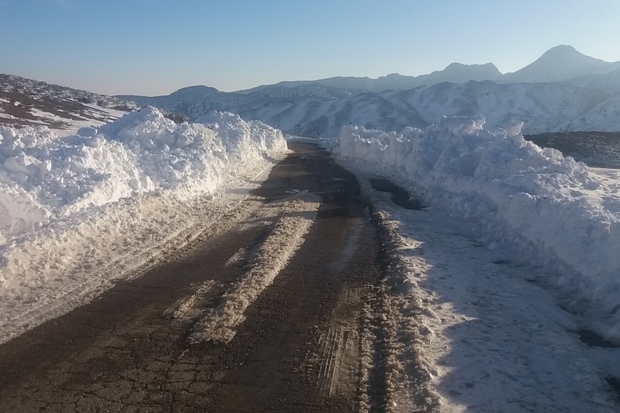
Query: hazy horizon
point(145, 47)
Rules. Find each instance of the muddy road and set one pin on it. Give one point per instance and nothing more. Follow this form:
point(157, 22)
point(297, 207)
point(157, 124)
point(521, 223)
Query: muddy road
point(272, 314)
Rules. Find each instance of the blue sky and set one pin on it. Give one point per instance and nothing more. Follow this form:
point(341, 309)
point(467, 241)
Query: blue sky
point(157, 46)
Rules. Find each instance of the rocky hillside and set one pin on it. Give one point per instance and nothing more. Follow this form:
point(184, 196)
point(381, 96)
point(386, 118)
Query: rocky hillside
point(30, 102)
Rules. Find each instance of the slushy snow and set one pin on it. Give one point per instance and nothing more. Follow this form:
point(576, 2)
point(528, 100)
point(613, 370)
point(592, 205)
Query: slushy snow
point(557, 212)
point(104, 198)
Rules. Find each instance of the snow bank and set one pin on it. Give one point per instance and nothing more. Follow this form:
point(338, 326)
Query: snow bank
point(44, 178)
point(514, 193)
point(78, 212)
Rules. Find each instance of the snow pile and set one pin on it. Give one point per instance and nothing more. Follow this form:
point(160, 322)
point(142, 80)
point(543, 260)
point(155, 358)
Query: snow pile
point(513, 193)
point(44, 178)
point(78, 212)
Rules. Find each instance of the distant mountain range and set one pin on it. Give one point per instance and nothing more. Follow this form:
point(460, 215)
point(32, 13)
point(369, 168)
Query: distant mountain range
point(563, 90)
point(454, 73)
point(558, 64)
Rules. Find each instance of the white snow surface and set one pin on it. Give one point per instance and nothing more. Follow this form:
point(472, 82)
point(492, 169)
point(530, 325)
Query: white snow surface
point(484, 333)
point(104, 198)
point(557, 213)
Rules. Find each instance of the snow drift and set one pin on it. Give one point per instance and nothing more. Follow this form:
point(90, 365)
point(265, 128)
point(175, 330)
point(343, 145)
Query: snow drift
point(77, 212)
point(514, 193)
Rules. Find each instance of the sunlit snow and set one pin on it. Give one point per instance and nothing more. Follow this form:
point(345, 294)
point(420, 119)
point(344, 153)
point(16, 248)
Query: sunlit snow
point(554, 210)
point(77, 212)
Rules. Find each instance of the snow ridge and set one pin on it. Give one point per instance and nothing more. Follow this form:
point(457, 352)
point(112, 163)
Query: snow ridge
point(45, 178)
point(78, 212)
point(511, 192)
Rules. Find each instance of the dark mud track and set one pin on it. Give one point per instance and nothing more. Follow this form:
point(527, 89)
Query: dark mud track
point(300, 346)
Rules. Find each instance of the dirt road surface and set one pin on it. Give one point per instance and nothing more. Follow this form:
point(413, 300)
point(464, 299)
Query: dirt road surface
point(228, 325)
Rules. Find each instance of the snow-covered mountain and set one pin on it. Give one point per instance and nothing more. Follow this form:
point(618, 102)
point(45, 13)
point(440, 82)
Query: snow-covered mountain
point(311, 89)
point(300, 110)
point(30, 102)
point(606, 81)
point(549, 107)
point(560, 64)
point(563, 90)
point(542, 107)
point(583, 96)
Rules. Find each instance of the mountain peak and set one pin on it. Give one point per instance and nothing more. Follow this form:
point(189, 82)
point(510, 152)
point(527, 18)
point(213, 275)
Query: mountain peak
point(486, 67)
point(461, 73)
point(562, 49)
point(565, 54)
point(559, 64)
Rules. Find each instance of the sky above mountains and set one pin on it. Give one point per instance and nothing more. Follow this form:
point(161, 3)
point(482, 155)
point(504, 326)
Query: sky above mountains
point(153, 47)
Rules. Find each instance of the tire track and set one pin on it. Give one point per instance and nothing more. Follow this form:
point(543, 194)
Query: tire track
point(308, 339)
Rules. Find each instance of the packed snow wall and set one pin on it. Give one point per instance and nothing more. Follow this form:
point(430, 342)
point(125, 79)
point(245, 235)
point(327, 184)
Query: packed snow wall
point(78, 213)
point(554, 209)
point(44, 178)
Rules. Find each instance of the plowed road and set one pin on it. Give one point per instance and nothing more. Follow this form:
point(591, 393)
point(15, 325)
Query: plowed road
point(271, 314)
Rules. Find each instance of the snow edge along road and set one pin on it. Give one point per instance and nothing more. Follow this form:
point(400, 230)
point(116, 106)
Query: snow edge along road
point(82, 252)
point(463, 330)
